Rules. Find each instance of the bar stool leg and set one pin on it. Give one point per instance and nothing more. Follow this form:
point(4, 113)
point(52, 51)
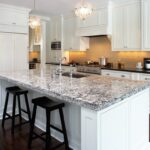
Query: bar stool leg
point(27, 106)
point(19, 108)
point(5, 109)
point(48, 138)
point(32, 126)
point(13, 114)
point(64, 128)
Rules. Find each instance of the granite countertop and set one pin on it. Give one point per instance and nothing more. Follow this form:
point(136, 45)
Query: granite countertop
point(93, 92)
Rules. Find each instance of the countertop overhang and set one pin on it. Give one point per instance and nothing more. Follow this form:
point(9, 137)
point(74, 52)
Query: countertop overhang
point(94, 92)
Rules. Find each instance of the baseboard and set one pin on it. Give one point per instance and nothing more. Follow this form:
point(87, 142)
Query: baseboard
point(72, 143)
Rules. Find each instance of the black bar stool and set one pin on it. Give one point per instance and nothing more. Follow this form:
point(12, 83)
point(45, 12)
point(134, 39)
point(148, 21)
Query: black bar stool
point(49, 106)
point(16, 92)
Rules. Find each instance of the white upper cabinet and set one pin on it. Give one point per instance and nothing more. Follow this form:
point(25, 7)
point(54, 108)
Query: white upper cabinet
point(126, 27)
point(118, 28)
point(56, 28)
point(20, 52)
point(146, 25)
point(13, 56)
point(133, 27)
point(96, 24)
point(70, 40)
point(13, 19)
point(6, 51)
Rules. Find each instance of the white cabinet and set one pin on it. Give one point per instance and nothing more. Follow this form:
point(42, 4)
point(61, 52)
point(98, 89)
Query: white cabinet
point(146, 24)
point(122, 126)
point(20, 52)
point(120, 130)
point(6, 51)
point(13, 51)
point(13, 19)
point(126, 27)
point(118, 28)
point(145, 77)
point(70, 40)
point(119, 74)
point(96, 24)
point(56, 28)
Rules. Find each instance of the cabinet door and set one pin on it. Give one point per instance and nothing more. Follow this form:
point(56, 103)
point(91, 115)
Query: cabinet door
point(113, 132)
point(20, 51)
point(6, 51)
point(146, 25)
point(53, 30)
point(133, 26)
point(118, 29)
point(66, 34)
point(56, 29)
point(139, 122)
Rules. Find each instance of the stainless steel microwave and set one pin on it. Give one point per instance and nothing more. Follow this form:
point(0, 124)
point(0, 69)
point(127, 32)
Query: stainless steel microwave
point(56, 45)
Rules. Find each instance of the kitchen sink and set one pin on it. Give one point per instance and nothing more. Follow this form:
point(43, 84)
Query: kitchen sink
point(74, 75)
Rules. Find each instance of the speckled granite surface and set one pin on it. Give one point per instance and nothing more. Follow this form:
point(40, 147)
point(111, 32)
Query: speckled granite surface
point(94, 92)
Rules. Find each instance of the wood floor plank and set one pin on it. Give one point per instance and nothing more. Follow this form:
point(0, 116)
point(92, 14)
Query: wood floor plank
point(20, 139)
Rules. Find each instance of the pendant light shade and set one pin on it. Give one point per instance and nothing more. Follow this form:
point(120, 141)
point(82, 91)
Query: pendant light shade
point(34, 21)
point(83, 10)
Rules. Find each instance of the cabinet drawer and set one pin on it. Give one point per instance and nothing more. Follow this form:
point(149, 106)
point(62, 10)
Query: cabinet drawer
point(118, 74)
point(145, 77)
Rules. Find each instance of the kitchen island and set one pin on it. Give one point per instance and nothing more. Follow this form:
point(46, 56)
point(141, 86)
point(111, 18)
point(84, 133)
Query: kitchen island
point(101, 113)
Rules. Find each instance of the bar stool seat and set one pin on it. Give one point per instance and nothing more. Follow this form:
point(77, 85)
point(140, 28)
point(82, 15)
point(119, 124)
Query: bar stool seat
point(45, 102)
point(16, 92)
point(49, 106)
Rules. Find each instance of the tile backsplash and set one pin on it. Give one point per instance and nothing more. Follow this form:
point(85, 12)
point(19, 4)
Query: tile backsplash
point(101, 46)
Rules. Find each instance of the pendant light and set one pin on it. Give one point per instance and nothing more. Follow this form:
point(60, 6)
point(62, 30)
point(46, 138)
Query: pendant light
point(34, 21)
point(83, 10)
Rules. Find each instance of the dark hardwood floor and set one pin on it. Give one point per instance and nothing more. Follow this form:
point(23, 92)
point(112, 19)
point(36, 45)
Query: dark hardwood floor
point(20, 139)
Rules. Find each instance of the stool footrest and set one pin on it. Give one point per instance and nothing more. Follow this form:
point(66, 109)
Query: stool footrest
point(38, 136)
point(24, 111)
point(9, 116)
point(56, 128)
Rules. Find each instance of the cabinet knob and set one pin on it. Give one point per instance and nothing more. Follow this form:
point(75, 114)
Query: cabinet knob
point(147, 78)
point(14, 23)
point(107, 74)
point(123, 76)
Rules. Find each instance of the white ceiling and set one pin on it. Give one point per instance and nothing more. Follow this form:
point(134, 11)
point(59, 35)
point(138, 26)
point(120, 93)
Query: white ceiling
point(50, 7)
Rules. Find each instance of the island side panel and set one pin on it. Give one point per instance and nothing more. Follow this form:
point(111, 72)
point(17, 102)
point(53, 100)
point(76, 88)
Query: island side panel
point(123, 126)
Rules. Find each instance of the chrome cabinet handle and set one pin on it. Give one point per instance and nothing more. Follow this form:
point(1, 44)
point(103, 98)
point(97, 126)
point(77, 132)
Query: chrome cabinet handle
point(107, 74)
point(147, 78)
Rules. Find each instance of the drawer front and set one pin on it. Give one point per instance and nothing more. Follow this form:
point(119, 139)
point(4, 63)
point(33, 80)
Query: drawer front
point(145, 77)
point(118, 74)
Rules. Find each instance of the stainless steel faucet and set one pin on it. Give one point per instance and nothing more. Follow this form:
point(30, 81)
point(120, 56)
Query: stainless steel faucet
point(59, 70)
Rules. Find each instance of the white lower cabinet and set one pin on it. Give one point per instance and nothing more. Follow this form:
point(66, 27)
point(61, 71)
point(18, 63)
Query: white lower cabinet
point(125, 75)
point(122, 126)
point(145, 77)
point(120, 74)
point(120, 130)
